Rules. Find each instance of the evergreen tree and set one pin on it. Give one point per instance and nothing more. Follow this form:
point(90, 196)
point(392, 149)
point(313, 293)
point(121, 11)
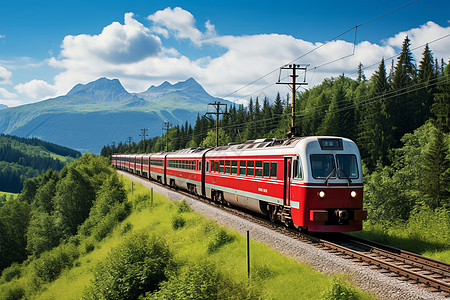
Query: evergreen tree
point(426, 76)
point(441, 105)
point(404, 109)
point(361, 77)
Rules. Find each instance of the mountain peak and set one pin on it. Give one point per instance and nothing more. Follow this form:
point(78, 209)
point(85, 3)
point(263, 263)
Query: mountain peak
point(3, 106)
point(101, 90)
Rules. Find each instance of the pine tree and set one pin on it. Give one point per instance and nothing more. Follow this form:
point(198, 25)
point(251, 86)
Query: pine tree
point(427, 77)
point(376, 129)
point(441, 105)
point(361, 77)
point(405, 107)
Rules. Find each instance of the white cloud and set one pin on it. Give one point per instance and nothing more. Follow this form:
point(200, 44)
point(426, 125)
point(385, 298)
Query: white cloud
point(5, 75)
point(36, 89)
point(181, 24)
point(422, 35)
point(135, 54)
point(116, 44)
point(6, 94)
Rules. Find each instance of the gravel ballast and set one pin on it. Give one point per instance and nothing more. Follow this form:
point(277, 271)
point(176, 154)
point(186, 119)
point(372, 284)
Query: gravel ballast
point(372, 281)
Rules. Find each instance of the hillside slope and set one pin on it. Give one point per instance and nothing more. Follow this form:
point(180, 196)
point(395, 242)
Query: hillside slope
point(22, 158)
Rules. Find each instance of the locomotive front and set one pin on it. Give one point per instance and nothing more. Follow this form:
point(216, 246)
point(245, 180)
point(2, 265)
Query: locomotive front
point(327, 186)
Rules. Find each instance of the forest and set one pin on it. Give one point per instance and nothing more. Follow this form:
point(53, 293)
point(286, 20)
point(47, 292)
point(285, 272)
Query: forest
point(399, 119)
point(22, 158)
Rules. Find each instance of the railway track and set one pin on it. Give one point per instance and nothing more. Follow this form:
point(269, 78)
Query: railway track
point(431, 274)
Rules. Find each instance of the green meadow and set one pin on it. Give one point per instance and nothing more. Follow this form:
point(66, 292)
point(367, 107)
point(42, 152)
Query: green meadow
point(201, 260)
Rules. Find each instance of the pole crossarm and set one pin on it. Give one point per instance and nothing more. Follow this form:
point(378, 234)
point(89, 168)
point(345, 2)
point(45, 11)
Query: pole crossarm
point(217, 106)
point(293, 85)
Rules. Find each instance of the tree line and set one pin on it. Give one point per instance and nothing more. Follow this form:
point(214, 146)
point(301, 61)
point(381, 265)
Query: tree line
point(389, 115)
point(21, 159)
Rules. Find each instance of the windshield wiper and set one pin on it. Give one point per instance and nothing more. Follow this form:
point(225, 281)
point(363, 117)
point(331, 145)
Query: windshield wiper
point(348, 178)
point(329, 175)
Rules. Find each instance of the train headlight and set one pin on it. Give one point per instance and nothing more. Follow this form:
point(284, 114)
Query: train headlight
point(353, 194)
point(322, 194)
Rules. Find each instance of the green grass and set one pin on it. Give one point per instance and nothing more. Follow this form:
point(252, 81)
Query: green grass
point(8, 195)
point(430, 239)
point(273, 275)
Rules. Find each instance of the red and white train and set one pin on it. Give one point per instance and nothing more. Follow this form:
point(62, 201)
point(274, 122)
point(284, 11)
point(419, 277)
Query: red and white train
point(312, 183)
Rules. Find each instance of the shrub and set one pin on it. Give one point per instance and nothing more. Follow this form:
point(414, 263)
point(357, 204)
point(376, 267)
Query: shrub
point(51, 263)
point(127, 227)
point(13, 271)
point(202, 281)
point(14, 293)
point(340, 290)
point(135, 267)
point(184, 207)
point(178, 222)
point(220, 239)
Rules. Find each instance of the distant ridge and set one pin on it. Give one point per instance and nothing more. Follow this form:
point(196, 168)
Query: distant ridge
point(95, 114)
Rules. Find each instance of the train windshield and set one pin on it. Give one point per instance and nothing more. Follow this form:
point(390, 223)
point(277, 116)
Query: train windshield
point(347, 167)
point(323, 166)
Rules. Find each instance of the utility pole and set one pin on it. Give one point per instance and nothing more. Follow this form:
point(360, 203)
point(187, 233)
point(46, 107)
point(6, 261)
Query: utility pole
point(113, 145)
point(217, 113)
point(293, 85)
point(129, 140)
point(144, 134)
point(165, 127)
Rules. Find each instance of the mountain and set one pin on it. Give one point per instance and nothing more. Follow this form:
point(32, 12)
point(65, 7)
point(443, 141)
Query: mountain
point(92, 115)
point(3, 106)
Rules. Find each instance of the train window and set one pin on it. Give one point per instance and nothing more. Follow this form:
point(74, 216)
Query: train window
point(242, 167)
point(234, 167)
point(227, 166)
point(258, 168)
point(222, 163)
point(207, 166)
point(216, 166)
point(250, 168)
point(347, 167)
point(330, 144)
point(297, 169)
point(199, 165)
point(266, 169)
point(273, 170)
point(323, 166)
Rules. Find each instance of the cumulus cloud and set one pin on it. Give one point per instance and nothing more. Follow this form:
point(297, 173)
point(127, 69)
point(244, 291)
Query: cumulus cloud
point(36, 89)
point(425, 34)
point(5, 75)
point(117, 43)
point(6, 94)
point(181, 24)
point(136, 55)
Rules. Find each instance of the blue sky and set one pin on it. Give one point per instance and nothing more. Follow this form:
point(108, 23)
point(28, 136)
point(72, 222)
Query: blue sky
point(46, 47)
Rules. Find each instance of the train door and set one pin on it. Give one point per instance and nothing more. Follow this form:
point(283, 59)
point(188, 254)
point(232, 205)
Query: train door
point(287, 180)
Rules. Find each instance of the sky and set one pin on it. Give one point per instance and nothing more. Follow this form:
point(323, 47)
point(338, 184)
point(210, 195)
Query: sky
point(234, 49)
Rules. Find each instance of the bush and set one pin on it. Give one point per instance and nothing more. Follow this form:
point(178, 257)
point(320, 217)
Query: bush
point(137, 266)
point(220, 239)
point(201, 281)
point(13, 293)
point(51, 263)
point(340, 290)
point(13, 271)
point(184, 207)
point(178, 222)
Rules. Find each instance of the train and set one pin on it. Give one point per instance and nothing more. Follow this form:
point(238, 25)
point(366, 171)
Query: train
point(311, 183)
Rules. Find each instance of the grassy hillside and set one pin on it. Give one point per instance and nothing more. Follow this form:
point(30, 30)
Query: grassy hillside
point(22, 158)
point(159, 250)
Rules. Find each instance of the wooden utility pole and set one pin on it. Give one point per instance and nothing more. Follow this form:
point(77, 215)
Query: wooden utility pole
point(165, 127)
point(293, 85)
point(217, 113)
point(143, 134)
